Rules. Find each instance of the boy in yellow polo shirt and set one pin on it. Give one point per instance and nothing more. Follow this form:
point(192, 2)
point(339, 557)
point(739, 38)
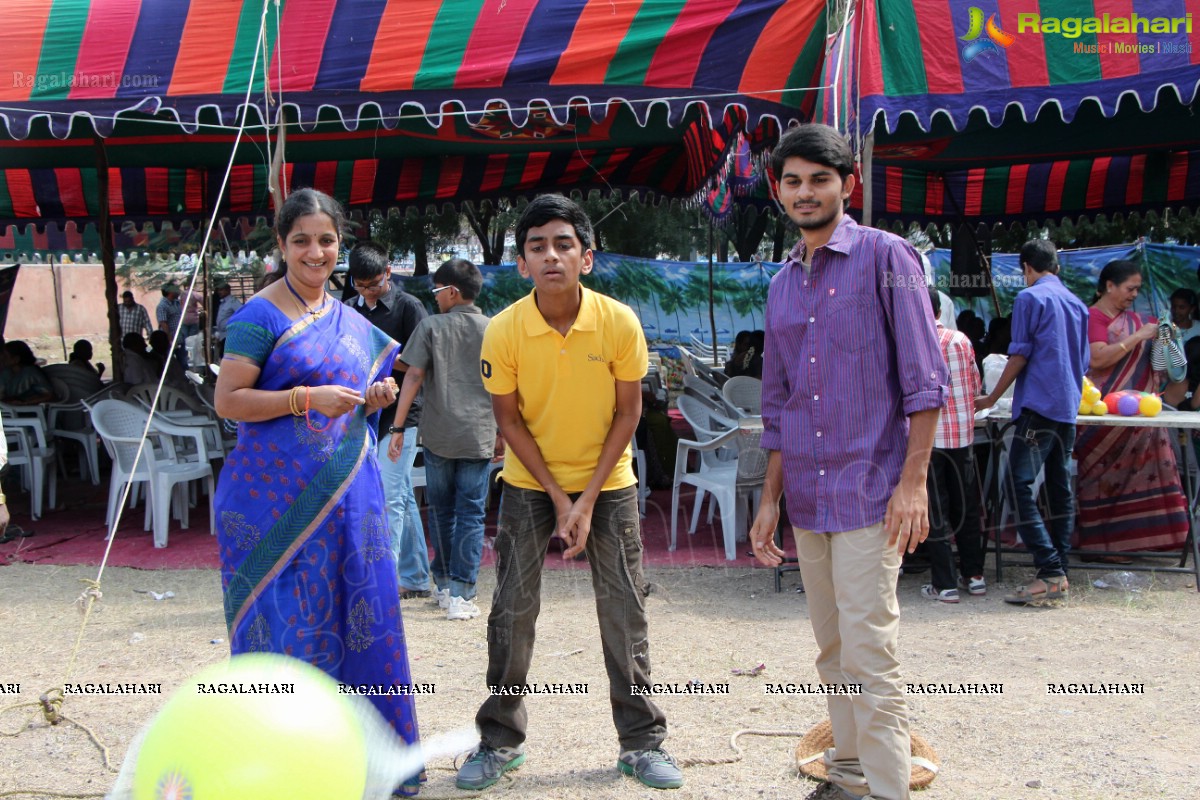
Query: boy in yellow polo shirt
point(564, 367)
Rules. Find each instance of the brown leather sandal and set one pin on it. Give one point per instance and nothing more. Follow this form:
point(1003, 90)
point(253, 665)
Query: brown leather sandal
point(1039, 589)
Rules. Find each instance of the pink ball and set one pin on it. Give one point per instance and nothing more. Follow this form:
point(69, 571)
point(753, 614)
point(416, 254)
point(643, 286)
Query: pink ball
point(1129, 405)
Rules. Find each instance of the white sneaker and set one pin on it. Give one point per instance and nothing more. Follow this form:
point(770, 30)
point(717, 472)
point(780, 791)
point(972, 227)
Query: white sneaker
point(461, 609)
point(441, 598)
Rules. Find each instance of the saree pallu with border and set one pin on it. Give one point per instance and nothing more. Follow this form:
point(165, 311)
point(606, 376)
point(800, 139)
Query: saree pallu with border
point(306, 564)
point(1130, 496)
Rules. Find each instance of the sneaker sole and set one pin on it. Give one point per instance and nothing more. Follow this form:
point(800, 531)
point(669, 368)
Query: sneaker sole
point(627, 769)
point(513, 763)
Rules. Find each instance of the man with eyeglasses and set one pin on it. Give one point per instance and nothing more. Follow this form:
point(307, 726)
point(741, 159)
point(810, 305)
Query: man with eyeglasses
point(396, 313)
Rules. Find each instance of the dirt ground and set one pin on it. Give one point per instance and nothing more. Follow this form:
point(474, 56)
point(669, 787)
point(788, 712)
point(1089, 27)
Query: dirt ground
point(1024, 743)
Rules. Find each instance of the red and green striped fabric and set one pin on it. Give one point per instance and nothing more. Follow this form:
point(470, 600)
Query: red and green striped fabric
point(1042, 191)
point(917, 57)
point(341, 163)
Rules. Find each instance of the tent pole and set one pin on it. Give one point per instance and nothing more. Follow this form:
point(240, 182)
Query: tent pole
point(108, 257)
point(868, 199)
point(712, 314)
point(62, 336)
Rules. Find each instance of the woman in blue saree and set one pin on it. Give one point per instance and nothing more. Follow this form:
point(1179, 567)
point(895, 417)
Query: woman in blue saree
point(306, 566)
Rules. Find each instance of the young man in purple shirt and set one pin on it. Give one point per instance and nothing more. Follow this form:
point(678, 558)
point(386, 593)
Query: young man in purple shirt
point(1047, 358)
point(853, 380)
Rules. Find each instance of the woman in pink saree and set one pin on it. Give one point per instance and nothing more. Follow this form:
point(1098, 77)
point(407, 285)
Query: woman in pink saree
point(1129, 492)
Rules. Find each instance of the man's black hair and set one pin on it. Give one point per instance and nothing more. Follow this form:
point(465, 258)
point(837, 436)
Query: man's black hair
point(935, 301)
point(462, 275)
point(1040, 255)
point(819, 144)
point(366, 261)
point(547, 208)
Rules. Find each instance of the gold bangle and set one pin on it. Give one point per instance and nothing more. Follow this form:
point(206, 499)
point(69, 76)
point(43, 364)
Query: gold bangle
point(1122, 346)
point(292, 402)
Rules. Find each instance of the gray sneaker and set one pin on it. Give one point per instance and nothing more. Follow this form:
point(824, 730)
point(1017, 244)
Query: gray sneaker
point(654, 768)
point(485, 766)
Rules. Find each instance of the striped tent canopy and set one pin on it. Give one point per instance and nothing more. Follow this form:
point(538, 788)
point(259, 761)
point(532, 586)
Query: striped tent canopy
point(1018, 109)
point(388, 102)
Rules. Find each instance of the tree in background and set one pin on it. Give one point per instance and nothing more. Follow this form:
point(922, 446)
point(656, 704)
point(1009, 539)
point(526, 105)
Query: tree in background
point(417, 233)
point(638, 227)
point(490, 221)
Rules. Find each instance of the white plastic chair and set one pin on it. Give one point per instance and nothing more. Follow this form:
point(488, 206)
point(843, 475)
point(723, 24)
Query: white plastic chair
point(639, 459)
point(37, 463)
point(418, 476)
point(734, 485)
point(33, 449)
point(121, 424)
point(744, 395)
point(707, 392)
point(71, 420)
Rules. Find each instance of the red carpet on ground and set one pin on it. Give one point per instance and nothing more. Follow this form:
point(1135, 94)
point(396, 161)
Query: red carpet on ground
point(74, 534)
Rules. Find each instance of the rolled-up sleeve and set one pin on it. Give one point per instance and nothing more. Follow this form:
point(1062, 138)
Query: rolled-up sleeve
point(1024, 310)
point(920, 365)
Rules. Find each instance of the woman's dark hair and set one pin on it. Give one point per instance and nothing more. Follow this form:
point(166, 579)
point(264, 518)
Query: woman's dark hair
point(1116, 273)
point(1185, 294)
point(999, 335)
point(743, 340)
point(547, 208)
point(819, 144)
point(462, 275)
point(1191, 350)
point(301, 203)
point(21, 353)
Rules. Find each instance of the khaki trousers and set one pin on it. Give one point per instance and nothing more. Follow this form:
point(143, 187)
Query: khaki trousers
point(850, 582)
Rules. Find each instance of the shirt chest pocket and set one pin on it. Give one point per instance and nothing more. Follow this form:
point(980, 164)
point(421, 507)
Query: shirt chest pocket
point(849, 322)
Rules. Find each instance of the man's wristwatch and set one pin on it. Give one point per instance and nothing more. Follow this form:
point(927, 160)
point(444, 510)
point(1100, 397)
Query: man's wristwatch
point(394, 429)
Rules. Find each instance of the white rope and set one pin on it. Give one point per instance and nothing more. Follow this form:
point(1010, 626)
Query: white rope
point(116, 523)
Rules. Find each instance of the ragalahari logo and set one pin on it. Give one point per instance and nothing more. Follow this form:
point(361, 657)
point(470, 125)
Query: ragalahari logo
point(994, 36)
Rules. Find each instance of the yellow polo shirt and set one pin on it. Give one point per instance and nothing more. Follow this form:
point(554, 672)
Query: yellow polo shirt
point(565, 385)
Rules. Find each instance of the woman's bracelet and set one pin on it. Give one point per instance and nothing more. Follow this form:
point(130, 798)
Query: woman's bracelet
point(308, 420)
point(293, 401)
point(1122, 346)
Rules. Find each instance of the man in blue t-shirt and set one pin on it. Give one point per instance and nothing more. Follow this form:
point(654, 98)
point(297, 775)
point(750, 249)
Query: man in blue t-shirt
point(1047, 358)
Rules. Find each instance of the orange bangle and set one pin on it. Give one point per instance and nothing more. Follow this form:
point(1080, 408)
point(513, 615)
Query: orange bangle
point(307, 408)
point(1122, 346)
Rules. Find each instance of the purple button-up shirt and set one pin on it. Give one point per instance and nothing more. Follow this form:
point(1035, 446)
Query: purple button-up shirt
point(851, 351)
point(1050, 328)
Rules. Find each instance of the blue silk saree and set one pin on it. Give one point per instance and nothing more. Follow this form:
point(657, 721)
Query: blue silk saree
point(306, 565)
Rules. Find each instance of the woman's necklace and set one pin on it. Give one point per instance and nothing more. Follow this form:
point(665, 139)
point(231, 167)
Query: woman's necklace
point(315, 313)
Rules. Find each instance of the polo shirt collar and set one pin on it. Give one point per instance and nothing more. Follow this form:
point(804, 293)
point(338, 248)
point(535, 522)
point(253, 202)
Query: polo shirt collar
point(839, 241)
point(536, 325)
point(468, 308)
point(384, 301)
